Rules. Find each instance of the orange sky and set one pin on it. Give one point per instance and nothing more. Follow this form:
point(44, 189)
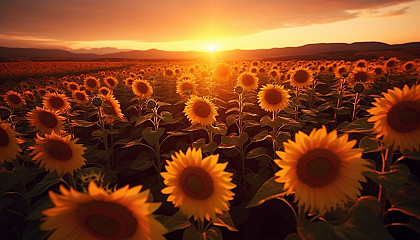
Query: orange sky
point(202, 25)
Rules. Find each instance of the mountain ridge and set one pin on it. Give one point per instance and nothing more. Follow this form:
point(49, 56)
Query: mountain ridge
point(323, 50)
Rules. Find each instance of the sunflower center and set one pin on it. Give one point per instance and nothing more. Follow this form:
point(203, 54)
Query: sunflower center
point(318, 167)
point(273, 74)
point(404, 117)
point(409, 66)
point(15, 99)
point(142, 87)
point(73, 86)
point(168, 72)
point(107, 220)
point(4, 138)
point(80, 96)
point(378, 70)
point(273, 97)
point(58, 150)
point(187, 87)
point(91, 83)
point(248, 80)
point(390, 63)
point(301, 76)
point(196, 183)
point(110, 81)
point(360, 77)
point(47, 119)
point(56, 102)
point(202, 109)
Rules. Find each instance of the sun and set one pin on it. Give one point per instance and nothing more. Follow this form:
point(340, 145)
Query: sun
point(211, 48)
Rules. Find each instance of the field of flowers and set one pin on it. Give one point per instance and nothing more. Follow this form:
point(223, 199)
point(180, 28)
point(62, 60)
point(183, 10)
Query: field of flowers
point(235, 150)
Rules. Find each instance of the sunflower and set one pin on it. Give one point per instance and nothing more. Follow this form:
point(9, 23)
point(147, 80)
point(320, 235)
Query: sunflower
point(29, 95)
point(111, 82)
point(301, 77)
point(92, 83)
point(45, 120)
point(273, 98)
point(378, 71)
point(199, 187)
point(273, 74)
point(14, 99)
point(186, 86)
point(361, 63)
point(104, 91)
point(128, 82)
point(360, 75)
point(142, 88)
point(56, 102)
point(111, 108)
point(391, 63)
point(122, 214)
point(322, 169)
point(200, 110)
point(222, 72)
point(396, 117)
point(409, 66)
point(9, 147)
point(248, 81)
point(80, 97)
point(168, 72)
point(340, 70)
point(72, 86)
point(56, 153)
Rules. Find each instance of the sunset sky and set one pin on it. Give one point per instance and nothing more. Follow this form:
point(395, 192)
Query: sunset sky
point(204, 25)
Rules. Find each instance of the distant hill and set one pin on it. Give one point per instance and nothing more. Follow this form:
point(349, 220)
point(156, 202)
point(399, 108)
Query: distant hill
point(346, 51)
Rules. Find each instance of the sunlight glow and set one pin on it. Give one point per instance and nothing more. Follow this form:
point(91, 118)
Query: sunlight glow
point(211, 48)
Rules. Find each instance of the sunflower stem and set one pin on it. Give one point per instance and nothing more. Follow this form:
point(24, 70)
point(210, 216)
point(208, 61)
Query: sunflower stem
point(386, 163)
point(72, 181)
point(274, 132)
point(200, 226)
point(340, 96)
point(355, 106)
point(297, 107)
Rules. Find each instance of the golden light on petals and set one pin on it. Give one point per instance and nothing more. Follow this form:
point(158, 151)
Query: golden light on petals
point(360, 75)
point(104, 91)
point(92, 83)
point(199, 187)
point(111, 82)
point(80, 97)
point(142, 88)
point(56, 153)
point(222, 72)
point(111, 108)
point(186, 86)
point(56, 102)
point(301, 77)
point(122, 214)
point(9, 143)
point(248, 81)
point(14, 99)
point(273, 98)
point(45, 120)
point(200, 110)
point(322, 169)
point(396, 117)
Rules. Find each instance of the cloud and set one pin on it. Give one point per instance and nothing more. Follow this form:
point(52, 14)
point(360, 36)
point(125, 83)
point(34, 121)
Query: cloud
point(169, 20)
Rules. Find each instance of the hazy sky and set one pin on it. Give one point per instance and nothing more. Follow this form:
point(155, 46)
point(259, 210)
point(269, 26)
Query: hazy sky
point(199, 24)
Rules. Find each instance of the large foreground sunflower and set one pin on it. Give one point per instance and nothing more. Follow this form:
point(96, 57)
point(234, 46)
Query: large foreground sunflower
point(199, 187)
point(56, 102)
point(9, 147)
point(123, 214)
point(396, 117)
point(322, 169)
point(45, 120)
point(273, 98)
point(60, 154)
point(200, 110)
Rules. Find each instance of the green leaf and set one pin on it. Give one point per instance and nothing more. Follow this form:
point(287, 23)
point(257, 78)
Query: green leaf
point(143, 118)
point(176, 222)
point(9, 179)
point(192, 233)
point(269, 190)
point(231, 119)
point(243, 138)
point(142, 162)
point(210, 147)
point(220, 129)
point(256, 152)
point(230, 141)
point(411, 208)
point(41, 205)
point(293, 236)
point(361, 125)
point(392, 180)
point(412, 155)
point(265, 121)
point(260, 136)
point(224, 220)
point(176, 133)
point(82, 123)
point(152, 137)
point(370, 144)
point(199, 143)
point(48, 181)
point(166, 117)
point(362, 223)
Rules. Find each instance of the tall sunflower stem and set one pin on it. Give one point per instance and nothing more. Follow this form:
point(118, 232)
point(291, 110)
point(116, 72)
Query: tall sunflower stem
point(104, 139)
point(72, 180)
point(274, 132)
point(340, 96)
point(297, 107)
point(355, 106)
point(200, 226)
point(386, 164)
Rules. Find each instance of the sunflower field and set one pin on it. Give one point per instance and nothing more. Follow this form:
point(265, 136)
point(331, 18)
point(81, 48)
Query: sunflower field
point(204, 150)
